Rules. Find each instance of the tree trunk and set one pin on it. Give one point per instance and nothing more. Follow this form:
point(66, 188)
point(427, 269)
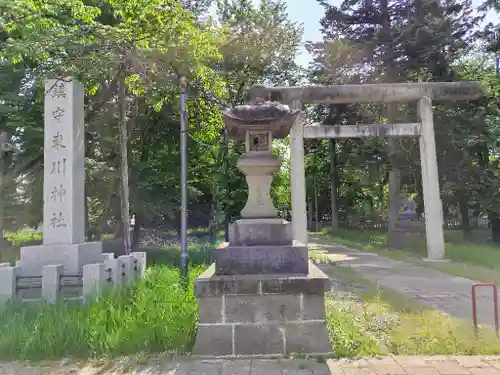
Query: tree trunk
point(212, 226)
point(464, 216)
point(316, 205)
point(137, 231)
point(310, 212)
point(334, 177)
point(392, 111)
point(495, 227)
point(124, 190)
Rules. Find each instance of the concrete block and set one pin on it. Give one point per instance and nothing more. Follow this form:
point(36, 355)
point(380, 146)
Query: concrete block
point(260, 232)
point(252, 339)
point(316, 281)
point(211, 284)
point(114, 270)
point(246, 260)
point(106, 256)
point(139, 264)
point(8, 283)
point(73, 257)
point(127, 262)
point(211, 310)
point(307, 337)
point(94, 280)
point(214, 340)
point(51, 282)
point(313, 307)
point(262, 309)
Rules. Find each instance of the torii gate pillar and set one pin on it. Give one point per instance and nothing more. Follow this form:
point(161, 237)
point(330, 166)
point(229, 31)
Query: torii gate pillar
point(298, 178)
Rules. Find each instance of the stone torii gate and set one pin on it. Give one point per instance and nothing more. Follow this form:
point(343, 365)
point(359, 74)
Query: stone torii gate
point(423, 93)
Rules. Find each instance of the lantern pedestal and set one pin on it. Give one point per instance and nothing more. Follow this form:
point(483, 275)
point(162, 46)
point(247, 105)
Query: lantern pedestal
point(261, 297)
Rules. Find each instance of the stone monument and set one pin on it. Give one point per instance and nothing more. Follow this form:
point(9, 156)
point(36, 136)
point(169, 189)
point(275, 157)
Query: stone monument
point(262, 296)
point(409, 229)
point(63, 185)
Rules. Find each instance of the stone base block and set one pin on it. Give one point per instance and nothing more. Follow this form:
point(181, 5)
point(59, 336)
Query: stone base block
point(241, 260)
point(72, 257)
point(262, 315)
point(260, 232)
point(400, 239)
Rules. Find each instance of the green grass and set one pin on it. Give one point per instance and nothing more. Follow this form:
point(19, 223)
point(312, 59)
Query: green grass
point(384, 322)
point(156, 315)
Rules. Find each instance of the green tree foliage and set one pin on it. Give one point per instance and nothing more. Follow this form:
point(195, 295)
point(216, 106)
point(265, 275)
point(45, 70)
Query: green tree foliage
point(151, 43)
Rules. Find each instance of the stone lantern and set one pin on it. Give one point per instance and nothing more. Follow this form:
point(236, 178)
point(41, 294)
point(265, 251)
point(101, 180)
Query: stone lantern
point(258, 125)
point(262, 296)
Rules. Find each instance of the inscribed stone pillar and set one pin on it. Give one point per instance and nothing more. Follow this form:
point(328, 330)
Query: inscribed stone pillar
point(64, 184)
point(64, 172)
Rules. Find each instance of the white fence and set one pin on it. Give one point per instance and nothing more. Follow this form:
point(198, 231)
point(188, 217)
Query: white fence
point(53, 284)
point(448, 224)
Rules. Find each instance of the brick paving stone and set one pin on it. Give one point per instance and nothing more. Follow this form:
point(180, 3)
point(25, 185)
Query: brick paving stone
point(357, 371)
point(448, 367)
point(392, 365)
point(334, 367)
point(494, 358)
point(470, 361)
point(491, 360)
point(410, 361)
point(421, 371)
point(484, 370)
point(438, 358)
point(358, 362)
point(385, 366)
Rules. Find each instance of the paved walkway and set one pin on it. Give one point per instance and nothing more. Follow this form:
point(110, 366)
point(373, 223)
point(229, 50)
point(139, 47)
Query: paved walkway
point(437, 365)
point(440, 291)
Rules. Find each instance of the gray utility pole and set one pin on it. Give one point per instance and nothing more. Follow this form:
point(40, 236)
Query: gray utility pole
point(184, 171)
point(5, 146)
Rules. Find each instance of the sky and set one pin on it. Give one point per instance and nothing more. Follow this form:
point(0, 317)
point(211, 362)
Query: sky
point(309, 12)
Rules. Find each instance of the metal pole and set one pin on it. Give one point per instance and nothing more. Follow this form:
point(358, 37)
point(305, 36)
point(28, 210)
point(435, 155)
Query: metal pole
point(3, 148)
point(184, 170)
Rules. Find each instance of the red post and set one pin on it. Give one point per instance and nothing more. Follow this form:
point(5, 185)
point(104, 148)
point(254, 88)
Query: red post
point(495, 304)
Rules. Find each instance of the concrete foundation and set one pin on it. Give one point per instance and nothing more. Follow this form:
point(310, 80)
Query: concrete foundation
point(71, 257)
point(258, 232)
point(407, 233)
point(262, 315)
point(250, 260)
